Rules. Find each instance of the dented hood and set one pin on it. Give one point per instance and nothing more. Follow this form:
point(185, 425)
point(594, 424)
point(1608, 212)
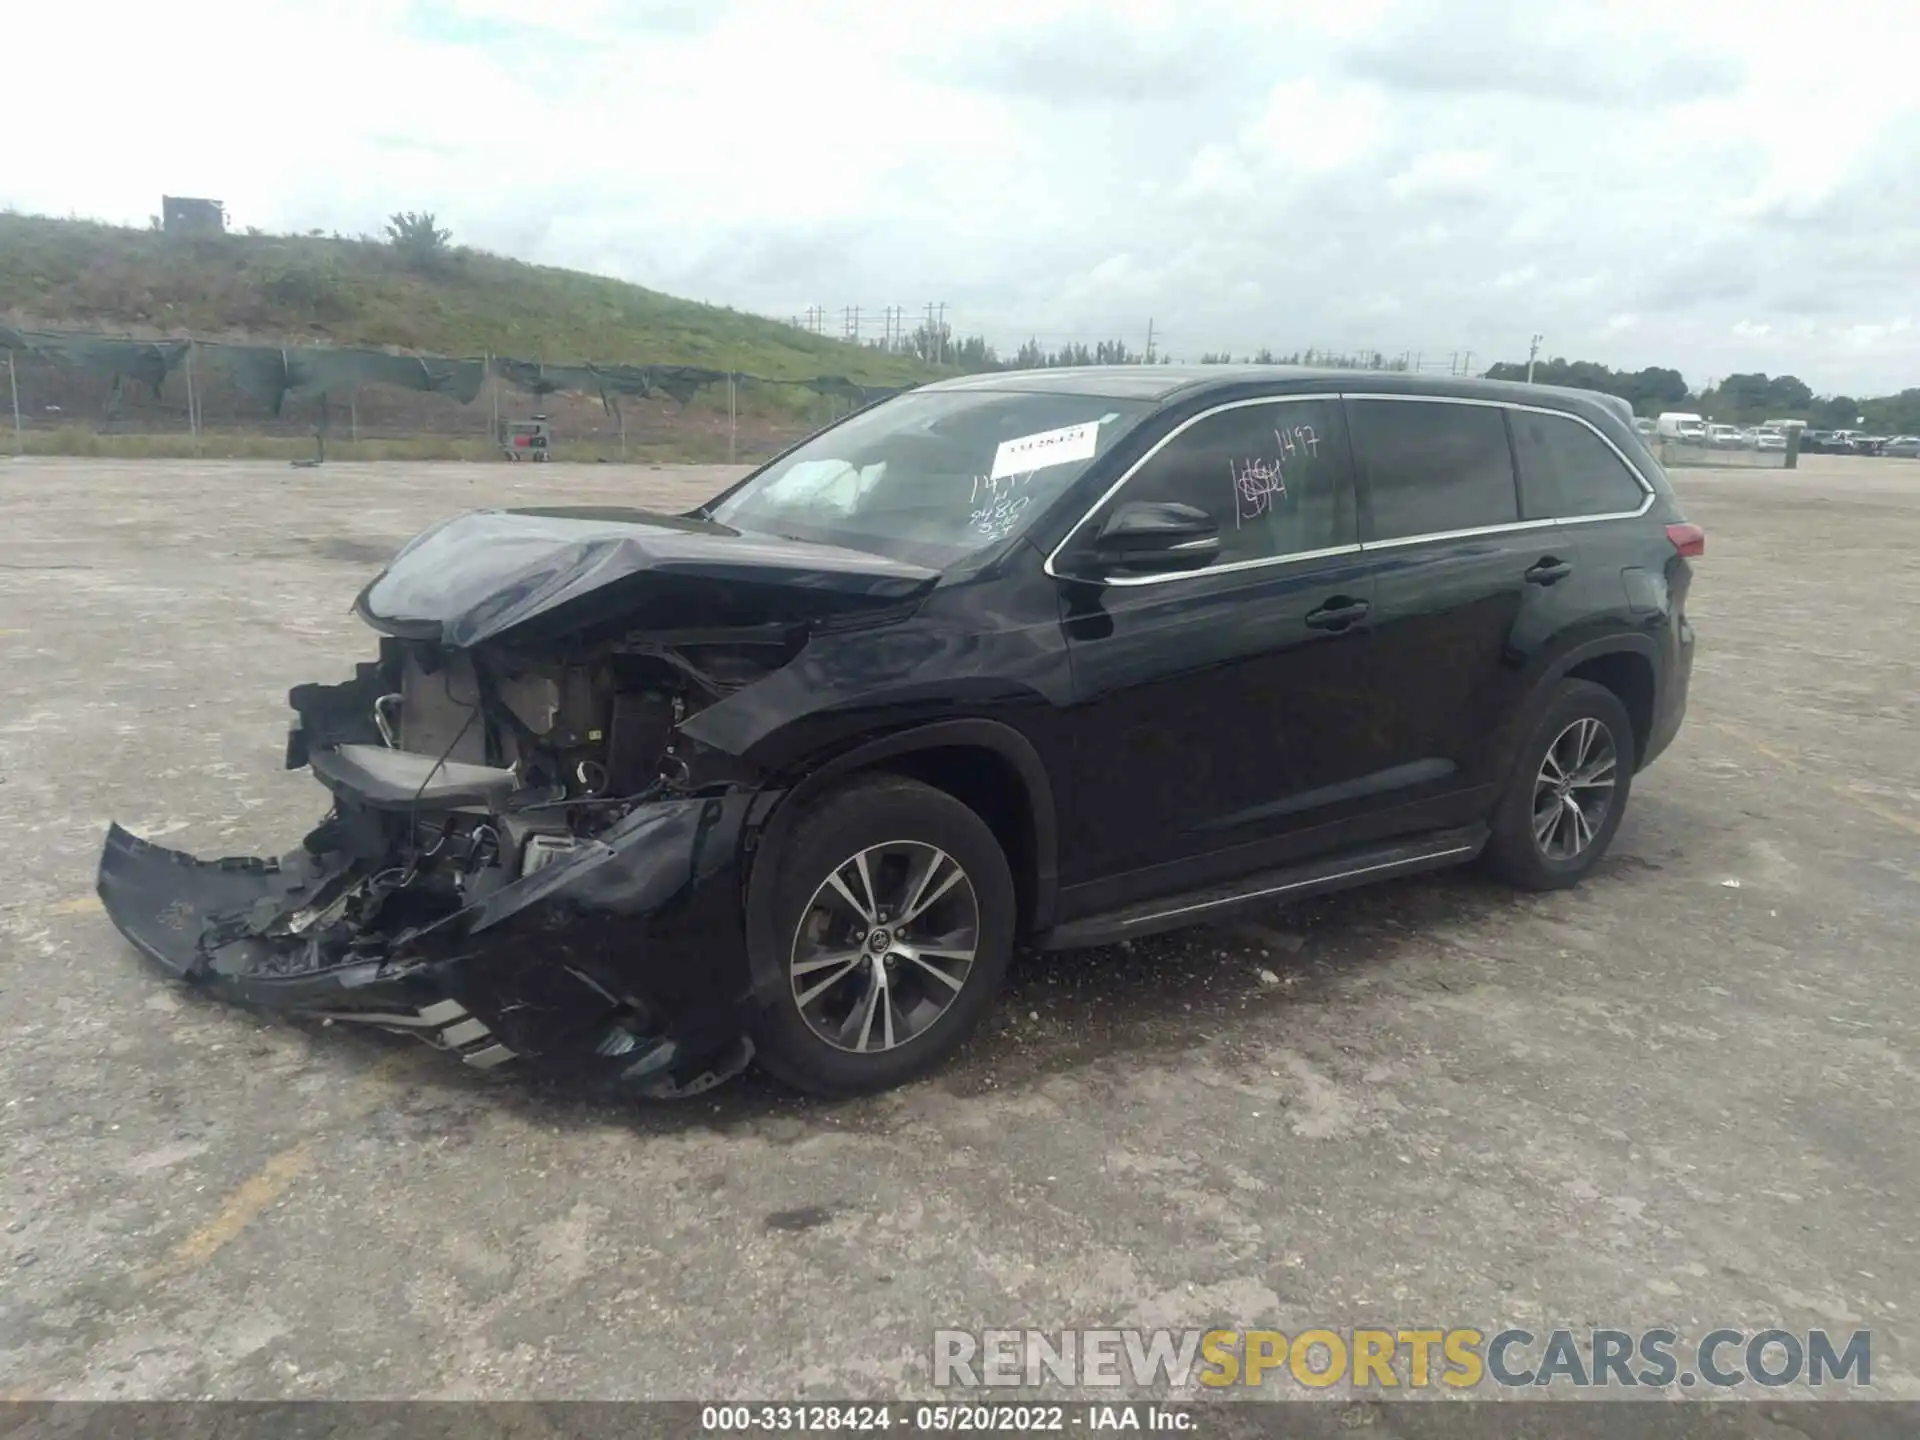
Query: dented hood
point(479, 575)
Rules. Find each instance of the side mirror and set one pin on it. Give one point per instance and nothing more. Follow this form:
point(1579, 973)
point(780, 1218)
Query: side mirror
point(1156, 536)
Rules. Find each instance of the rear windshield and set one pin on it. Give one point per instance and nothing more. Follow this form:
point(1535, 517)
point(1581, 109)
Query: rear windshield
point(933, 476)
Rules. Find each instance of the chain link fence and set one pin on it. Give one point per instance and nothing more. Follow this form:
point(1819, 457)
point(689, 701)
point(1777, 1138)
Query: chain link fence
point(202, 409)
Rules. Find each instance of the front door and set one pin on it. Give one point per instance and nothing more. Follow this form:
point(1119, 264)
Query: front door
point(1221, 713)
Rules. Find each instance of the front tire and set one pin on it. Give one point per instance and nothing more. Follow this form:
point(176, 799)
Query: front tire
point(1567, 792)
point(895, 910)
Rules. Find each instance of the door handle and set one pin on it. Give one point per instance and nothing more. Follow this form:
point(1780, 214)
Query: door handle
point(1338, 613)
point(1548, 570)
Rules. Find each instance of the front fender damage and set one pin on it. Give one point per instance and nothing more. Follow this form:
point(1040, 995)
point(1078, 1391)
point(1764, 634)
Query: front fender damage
point(529, 857)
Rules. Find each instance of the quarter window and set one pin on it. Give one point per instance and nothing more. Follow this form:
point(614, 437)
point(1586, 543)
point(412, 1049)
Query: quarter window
point(1274, 477)
point(1432, 467)
point(1567, 470)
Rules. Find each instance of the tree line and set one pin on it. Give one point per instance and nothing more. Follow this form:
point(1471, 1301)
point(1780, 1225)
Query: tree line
point(972, 354)
point(1738, 399)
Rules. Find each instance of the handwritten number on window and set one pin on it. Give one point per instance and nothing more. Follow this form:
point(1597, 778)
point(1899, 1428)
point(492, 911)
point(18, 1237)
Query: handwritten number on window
point(996, 505)
point(1256, 482)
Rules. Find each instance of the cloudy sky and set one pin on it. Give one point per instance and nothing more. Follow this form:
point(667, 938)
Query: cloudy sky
point(1716, 187)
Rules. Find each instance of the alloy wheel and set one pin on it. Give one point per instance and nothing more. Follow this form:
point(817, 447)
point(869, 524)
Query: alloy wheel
point(1574, 790)
point(884, 947)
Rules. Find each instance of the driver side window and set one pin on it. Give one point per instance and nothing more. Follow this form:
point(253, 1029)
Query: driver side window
point(1273, 474)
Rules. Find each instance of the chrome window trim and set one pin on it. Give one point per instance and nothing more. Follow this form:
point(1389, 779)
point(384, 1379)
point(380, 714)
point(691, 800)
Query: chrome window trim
point(1504, 528)
point(1649, 494)
point(1229, 569)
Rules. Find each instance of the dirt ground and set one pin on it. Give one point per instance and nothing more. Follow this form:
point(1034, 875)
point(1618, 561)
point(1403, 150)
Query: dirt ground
point(1682, 1094)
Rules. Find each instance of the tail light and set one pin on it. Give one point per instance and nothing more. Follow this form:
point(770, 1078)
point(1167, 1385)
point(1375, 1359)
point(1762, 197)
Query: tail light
point(1689, 540)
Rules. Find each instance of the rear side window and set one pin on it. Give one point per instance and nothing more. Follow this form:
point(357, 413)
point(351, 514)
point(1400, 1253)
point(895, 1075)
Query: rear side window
point(1273, 476)
point(1432, 467)
point(1567, 470)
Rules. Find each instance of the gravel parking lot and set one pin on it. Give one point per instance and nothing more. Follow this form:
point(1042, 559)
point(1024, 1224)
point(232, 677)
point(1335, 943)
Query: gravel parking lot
point(1681, 1095)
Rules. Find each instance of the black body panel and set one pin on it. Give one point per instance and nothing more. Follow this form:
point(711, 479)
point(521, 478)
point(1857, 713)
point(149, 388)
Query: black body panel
point(1145, 745)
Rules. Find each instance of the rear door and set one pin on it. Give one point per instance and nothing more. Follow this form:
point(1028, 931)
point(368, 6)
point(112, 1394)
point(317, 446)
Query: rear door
point(1467, 591)
point(1572, 474)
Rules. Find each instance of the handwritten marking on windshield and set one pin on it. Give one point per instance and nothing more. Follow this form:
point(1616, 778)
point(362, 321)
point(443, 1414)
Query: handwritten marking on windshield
point(1257, 481)
point(997, 504)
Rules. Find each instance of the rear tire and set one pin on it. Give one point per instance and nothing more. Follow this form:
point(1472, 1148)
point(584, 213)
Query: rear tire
point(1567, 792)
point(895, 912)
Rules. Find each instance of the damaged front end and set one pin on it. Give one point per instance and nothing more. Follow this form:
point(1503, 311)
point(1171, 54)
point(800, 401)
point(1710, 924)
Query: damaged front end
point(525, 860)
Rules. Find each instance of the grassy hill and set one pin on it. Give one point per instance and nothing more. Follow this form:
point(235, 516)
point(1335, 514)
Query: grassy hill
point(80, 274)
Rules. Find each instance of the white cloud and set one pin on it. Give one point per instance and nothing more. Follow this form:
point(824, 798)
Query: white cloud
point(1308, 126)
point(1216, 172)
point(1644, 181)
point(1446, 175)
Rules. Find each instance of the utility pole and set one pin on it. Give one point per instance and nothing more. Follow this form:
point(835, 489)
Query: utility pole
point(1467, 368)
point(1533, 352)
point(13, 384)
point(1149, 340)
point(940, 333)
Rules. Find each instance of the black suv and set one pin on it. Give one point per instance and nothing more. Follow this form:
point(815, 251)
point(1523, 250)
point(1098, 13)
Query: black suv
point(1057, 658)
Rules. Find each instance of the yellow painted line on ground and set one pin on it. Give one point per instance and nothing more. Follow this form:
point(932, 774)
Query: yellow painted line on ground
point(241, 1209)
point(79, 905)
point(267, 1185)
point(1846, 792)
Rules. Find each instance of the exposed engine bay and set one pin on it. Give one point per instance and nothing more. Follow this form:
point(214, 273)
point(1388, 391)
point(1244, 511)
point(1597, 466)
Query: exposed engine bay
point(529, 854)
point(458, 772)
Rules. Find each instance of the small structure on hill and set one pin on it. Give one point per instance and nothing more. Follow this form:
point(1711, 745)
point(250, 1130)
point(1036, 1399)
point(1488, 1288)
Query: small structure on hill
point(183, 215)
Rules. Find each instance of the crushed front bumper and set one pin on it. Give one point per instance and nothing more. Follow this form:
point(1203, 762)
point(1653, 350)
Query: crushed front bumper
point(623, 961)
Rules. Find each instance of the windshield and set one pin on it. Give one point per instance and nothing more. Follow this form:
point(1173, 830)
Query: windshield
point(932, 476)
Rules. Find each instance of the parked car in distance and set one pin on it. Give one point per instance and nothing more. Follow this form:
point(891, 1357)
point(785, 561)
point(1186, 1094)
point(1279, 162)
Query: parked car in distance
point(1854, 442)
point(1687, 429)
point(1817, 442)
point(1906, 446)
point(1766, 438)
point(1057, 658)
point(1725, 437)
